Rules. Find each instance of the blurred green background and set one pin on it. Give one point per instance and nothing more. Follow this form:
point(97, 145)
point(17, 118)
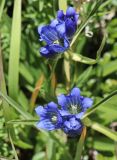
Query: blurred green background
point(29, 80)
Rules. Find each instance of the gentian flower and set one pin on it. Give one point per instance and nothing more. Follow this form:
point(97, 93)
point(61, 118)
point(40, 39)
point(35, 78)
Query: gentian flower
point(67, 116)
point(58, 33)
point(56, 42)
point(73, 107)
point(69, 20)
point(50, 117)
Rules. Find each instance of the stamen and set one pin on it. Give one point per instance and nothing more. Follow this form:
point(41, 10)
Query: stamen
point(56, 42)
point(54, 119)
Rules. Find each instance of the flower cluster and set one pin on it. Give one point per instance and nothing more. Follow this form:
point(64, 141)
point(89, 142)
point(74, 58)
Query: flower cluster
point(65, 115)
point(58, 33)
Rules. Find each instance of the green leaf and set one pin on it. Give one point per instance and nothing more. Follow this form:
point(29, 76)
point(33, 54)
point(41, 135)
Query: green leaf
point(16, 106)
point(100, 128)
point(104, 130)
point(50, 147)
point(24, 122)
point(13, 147)
point(91, 110)
point(79, 58)
point(41, 5)
point(67, 69)
point(22, 144)
point(102, 113)
point(13, 76)
point(2, 3)
point(24, 71)
point(84, 76)
point(63, 5)
point(103, 143)
point(80, 145)
point(109, 68)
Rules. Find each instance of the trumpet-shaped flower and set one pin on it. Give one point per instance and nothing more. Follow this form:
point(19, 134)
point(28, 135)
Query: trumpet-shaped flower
point(58, 33)
point(67, 116)
point(73, 107)
point(50, 117)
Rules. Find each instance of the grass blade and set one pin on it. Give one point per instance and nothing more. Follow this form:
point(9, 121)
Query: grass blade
point(63, 5)
point(67, 69)
point(2, 3)
point(13, 76)
point(16, 106)
point(80, 145)
point(100, 128)
point(13, 147)
point(35, 92)
point(104, 130)
point(91, 110)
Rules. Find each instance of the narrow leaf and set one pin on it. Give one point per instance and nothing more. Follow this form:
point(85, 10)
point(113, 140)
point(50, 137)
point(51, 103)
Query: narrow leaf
point(67, 69)
point(83, 59)
point(100, 128)
point(80, 145)
point(36, 91)
point(104, 130)
point(13, 76)
point(63, 5)
point(16, 106)
point(91, 110)
point(13, 147)
point(2, 3)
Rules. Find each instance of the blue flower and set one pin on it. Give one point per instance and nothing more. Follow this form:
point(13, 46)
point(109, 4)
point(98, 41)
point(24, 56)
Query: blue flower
point(56, 41)
point(70, 21)
point(67, 116)
point(73, 107)
point(50, 118)
point(58, 33)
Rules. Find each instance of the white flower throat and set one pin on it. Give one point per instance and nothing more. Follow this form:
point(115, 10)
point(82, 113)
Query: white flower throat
point(54, 119)
point(74, 108)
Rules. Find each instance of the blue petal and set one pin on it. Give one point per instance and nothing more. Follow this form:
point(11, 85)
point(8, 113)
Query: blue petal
point(44, 50)
point(76, 18)
point(61, 29)
point(40, 29)
point(60, 15)
point(46, 124)
point(79, 115)
point(57, 48)
point(75, 92)
point(70, 27)
point(64, 113)
point(67, 124)
point(40, 111)
point(62, 101)
point(73, 122)
point(54, 23)
point(66, 43)
point(70, 11)
point(47, 51)
point(52, 105)
point(87, 102)
point(49, 34)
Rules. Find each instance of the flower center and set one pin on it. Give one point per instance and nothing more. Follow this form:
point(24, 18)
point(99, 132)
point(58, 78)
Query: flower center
point(54, 119)
point(56, 42)
point(74, 109)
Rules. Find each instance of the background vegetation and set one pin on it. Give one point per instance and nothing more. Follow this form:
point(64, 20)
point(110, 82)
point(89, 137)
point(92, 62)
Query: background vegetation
point(31, 80)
